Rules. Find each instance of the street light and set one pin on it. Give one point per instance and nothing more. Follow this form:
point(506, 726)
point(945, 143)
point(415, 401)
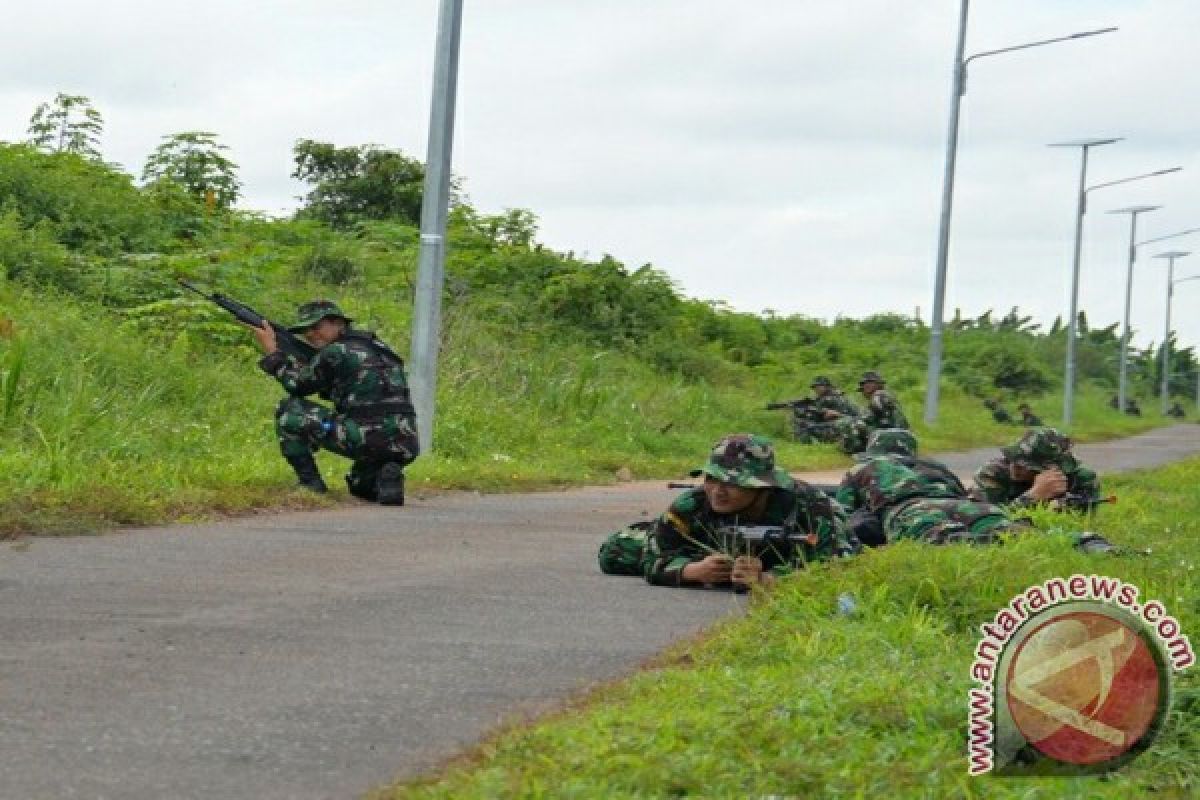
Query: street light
point(1133, 212)
point(1170, 255)
point(1069, 380)
point(939, 282)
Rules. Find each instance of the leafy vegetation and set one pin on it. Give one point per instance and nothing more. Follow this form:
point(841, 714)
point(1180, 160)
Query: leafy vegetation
point(802, 699)
point(137, 403)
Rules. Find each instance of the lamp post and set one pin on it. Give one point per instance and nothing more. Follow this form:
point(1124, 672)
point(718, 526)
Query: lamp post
point(1069, 381)
point(1132, 211)
point(435, 203)
point(1069, 378)
point(959, 88)
point(1170, 255)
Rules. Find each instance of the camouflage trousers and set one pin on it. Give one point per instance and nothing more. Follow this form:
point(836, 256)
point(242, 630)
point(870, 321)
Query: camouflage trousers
point(947, 520)
point(852, 434)
point(303, 427)
point(623, 552)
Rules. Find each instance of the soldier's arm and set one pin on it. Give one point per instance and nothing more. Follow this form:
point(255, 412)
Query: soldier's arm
point(828, 536)
point(991, 485)
point(670, 547)
point(304, 379)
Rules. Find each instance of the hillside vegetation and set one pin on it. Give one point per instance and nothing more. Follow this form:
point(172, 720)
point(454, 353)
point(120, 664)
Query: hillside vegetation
point(126, 400)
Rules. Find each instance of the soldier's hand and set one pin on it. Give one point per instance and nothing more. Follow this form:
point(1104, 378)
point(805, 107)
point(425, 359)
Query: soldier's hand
point(1048, 485)
point(715, 568)
point(831, 414)
point(265, 336)
point(747, 571)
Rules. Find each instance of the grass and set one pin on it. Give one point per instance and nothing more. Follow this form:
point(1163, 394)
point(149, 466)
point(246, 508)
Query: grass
point(110, 420)
point(797, 700)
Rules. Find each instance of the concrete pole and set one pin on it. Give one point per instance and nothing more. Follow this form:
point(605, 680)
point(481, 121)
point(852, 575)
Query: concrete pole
point(934, 375)
point(1166, 344)
point(435, 203)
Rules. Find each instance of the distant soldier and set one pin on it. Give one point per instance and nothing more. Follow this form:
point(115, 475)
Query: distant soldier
point(832, 400)
point(1114, 403)
point(1132, 408)
point(814, 419)
point(999, 413)
point(882, 411)
point(1176, 411)
point(372, 421)
point(893, 495)
point(1028, 418)
point(1039, 469)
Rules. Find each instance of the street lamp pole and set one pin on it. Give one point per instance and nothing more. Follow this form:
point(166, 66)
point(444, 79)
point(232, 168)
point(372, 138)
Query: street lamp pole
point(1069, 380)
point(959, 88)
point(1123, 384)
point(1170, 255)
point(435, 203)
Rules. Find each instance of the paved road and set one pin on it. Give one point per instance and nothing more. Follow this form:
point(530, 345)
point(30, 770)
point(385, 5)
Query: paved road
point(320, 654)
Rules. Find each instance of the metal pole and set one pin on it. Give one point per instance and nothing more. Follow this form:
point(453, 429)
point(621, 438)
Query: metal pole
point(1123, 384)
point(1069, 379)
point(435, 202)
point(939, 282)
point(1166, 345)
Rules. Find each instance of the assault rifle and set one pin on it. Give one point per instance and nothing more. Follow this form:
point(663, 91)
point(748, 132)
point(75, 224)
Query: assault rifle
point(1075, 501)
point(757, 540)
point(287, 341)
point(828, 489)
point(808, 420)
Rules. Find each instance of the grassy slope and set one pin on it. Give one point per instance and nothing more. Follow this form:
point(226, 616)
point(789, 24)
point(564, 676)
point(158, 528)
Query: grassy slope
point(115, 424)
point(796, 700)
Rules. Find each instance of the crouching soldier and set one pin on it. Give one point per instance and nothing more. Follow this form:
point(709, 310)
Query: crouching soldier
point(708, 535)
point(372, 420)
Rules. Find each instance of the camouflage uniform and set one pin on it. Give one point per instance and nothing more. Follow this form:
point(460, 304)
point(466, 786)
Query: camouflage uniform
point(690, 529)
point(999, 413)
point(911, 498)
point(882, 411)
point(1028, 418)
point(372, 421)
point(1038, 450)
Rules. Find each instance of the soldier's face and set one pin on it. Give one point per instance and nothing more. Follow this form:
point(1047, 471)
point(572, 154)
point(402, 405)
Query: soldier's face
point(821, 390)
point(726, 498)
point(869, 388)
point(324, 332)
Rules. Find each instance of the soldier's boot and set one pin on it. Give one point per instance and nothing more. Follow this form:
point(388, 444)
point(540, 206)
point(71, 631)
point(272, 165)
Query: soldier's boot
point(307, 474)
point(390, 485)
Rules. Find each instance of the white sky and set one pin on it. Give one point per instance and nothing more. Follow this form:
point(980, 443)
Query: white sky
point(785, 154)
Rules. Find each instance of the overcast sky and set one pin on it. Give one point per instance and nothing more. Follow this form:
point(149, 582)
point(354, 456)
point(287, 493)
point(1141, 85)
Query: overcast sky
point(785, 154)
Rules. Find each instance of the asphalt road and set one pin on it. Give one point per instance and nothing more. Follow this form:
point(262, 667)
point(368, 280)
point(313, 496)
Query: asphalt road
point(321, 654)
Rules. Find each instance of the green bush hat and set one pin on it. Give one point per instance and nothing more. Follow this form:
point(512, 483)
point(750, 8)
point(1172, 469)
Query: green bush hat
point(892, 441)
point(1039, 448)
point(746, 460)
point(310, 313)
point(820, 380)
point(871, 375)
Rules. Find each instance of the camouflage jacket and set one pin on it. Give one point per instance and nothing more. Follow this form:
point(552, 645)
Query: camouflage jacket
point(883, 411)
point(682, 534)
point(880, 483)
point(994, 483)
point(837, 401)
point(361, 375)
point(1030, 420)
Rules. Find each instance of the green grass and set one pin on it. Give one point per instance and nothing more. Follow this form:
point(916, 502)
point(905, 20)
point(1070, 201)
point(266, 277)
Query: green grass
point(795, 700)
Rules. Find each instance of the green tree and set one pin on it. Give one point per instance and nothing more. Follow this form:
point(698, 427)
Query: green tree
point(356, 183)
point(68, 124)
point(194, 160)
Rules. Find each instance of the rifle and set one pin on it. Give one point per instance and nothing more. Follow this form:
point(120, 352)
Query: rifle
point(756, 540)
point(287, 341)
point(808, 420)
point(1074, 501)
point(827, 489)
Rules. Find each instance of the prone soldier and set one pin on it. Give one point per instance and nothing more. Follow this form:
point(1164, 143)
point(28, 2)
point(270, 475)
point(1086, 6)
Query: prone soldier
point(1039, 469)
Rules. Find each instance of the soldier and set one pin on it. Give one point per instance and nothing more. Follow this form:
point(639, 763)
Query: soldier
point(893, 495)
point(883, 411)
point(1038, 469)
point(832, 400)
point(1028, 418)
point(999, 413)
point(1176, 411)
point(1132, 408)
point(689, 544)
point(372, 421)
